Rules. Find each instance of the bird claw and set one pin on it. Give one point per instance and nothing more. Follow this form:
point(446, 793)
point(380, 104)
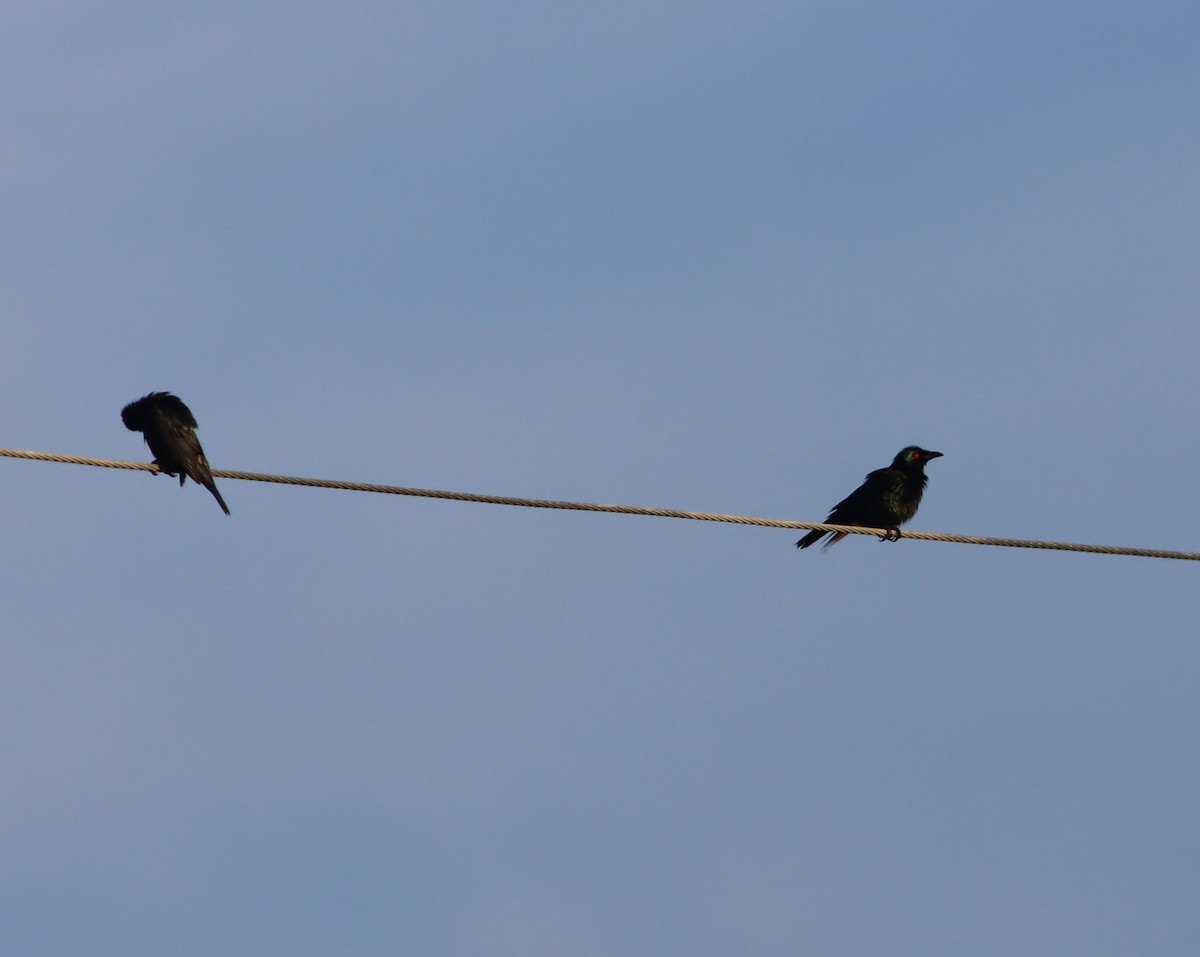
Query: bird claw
point(893, 535)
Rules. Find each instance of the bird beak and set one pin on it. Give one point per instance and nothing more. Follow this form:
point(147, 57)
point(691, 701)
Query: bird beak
point(933, 455)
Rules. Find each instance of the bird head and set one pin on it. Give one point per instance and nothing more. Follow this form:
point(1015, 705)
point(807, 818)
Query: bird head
point(914, 457)
point(141, 414)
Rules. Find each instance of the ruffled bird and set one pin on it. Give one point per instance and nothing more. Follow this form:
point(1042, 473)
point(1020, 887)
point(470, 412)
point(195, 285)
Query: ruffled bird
point(169, 429)
point(886, 499)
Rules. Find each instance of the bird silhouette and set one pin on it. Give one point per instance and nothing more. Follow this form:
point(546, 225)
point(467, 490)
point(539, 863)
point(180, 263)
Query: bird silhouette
point(886, 499)
point(169, 428)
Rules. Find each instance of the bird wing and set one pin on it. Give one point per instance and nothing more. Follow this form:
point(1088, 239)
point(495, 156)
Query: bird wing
point(185, 449)
point(182, 448)
point(173, 408)
point(866, 505)
point(167, 428)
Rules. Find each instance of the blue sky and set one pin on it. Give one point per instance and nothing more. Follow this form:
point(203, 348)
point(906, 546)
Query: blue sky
point(713, 256)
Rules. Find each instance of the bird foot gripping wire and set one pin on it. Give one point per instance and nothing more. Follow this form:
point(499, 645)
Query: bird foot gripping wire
point(893, 535)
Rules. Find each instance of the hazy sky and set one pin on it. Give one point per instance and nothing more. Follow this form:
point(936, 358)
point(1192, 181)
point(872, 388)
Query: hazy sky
point(717, 256)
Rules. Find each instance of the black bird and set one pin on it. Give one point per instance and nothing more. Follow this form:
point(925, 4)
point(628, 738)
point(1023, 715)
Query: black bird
point(887, 499)
point(168, 427)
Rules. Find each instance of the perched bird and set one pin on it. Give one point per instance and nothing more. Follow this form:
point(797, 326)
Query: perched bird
point(168, 427)
point(887, 499)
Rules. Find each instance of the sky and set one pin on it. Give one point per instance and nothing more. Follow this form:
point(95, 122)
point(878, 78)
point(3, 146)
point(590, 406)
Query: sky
point(715, 256)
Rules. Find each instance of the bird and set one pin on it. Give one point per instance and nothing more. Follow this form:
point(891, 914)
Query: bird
point(887, 498)
point(168, 427)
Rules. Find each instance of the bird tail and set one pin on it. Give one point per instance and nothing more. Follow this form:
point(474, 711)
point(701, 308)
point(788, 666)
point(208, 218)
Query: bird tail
point(816, 535)
point(811, 538)
point(199, 473)
point(212, 487)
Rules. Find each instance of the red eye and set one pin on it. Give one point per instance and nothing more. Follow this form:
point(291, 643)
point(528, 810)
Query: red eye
point(916, 455)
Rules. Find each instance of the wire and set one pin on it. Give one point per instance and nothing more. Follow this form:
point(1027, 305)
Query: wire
point(619, 509)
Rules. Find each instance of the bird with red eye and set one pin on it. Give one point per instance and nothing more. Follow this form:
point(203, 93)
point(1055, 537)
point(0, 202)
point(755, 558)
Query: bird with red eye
point(887, 498)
